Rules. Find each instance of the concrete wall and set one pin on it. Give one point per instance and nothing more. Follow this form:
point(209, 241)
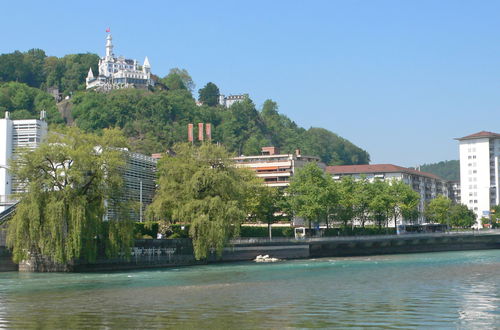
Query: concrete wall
point(179, 252)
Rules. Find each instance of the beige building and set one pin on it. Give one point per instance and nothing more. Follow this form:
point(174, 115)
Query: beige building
point(276, 169)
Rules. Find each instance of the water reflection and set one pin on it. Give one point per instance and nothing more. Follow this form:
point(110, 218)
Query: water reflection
point(426, 290)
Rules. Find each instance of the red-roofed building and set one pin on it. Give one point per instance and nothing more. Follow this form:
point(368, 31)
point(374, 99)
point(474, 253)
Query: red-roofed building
point(479, 172)
point(428, 185)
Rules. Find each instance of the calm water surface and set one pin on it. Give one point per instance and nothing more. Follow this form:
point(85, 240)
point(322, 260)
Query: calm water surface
point(435, 290)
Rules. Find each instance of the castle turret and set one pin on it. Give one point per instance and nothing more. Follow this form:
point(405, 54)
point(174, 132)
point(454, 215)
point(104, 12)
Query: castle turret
point(109, 47)
point(146, 67)
point(90, 76)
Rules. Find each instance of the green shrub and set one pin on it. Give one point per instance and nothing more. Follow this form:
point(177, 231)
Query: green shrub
point(359, 231)
point(252, 231)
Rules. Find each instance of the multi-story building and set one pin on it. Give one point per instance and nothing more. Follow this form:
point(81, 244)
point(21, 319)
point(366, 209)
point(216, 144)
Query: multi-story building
point(428, 185)
point(479, 172)
point(228, 101)
point(139, 183)
point(276, 169)
point(118, 72)
point(15, 134)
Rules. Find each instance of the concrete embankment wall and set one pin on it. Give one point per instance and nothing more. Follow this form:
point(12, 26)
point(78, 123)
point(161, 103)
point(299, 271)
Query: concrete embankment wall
point(147, 253)
point(6, 263)
point(179, 252)
point(402, 244)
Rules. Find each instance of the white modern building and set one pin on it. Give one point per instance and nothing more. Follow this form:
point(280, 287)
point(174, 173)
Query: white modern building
point(15, 134)
point(428, 185)
point(479, 172)
point(118, 72)
point(276, 169)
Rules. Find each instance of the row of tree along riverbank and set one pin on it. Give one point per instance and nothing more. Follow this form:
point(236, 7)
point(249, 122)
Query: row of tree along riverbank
point(152, 253)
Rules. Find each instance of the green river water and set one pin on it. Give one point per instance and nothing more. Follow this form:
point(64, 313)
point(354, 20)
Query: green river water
point(432, 290)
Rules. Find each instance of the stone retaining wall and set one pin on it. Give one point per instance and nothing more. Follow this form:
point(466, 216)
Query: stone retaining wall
point(179, 252)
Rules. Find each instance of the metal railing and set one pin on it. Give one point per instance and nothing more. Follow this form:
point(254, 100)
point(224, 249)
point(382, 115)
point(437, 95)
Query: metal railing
point(266, 240)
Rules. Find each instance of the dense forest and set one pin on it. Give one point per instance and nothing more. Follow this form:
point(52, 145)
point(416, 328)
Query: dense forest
point(448, 169)
point(155, 119)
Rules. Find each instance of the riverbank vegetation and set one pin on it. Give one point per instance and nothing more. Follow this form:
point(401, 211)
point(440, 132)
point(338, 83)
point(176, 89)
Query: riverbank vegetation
point(318, 198)
point(68, 181)
point(201, 187)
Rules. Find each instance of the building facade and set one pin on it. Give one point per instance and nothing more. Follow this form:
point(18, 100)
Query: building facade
point(139, 185)
point(479, 172)
point(276, 169)
point(15, 134)
point(428, 185)
point(119, 72)
point(228, 101)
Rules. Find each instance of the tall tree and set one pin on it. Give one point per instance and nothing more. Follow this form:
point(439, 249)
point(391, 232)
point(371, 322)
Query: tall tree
point(68, 179)
point(201, 186)
point(438, 210)
point(403, 200)
point(380, 203)
point(461, 216)
point(266, 204)
point(184, 77)
point(209, 94)
point(345, 210)
point(308, 193)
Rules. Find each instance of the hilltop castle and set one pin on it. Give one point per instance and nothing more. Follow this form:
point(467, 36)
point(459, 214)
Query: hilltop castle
point(118, 72)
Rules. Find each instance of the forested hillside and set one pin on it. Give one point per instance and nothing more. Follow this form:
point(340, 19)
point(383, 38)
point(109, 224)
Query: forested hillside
point(448, 169)
point(156, 119)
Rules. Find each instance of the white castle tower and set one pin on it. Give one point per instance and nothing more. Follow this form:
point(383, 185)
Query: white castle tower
point(118, 72)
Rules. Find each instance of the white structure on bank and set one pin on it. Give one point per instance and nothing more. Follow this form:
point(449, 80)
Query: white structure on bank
point(428, 185)
point(228, 101)
point(118, 72)
point(15, 134)
point(479, 172)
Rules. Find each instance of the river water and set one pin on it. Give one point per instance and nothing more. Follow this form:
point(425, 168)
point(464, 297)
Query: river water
point(433, 290)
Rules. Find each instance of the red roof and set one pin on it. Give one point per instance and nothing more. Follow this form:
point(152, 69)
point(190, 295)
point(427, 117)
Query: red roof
point(479, 135)
point(376, 168)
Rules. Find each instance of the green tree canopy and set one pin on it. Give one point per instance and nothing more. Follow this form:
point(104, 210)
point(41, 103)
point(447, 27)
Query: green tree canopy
point(68, 179)
point(461, 216)
point(266, 204)
point(26, 102)
point(209, 94)
point(179, 79)
point(438, 210)
point(309, 193)
point(201, 186)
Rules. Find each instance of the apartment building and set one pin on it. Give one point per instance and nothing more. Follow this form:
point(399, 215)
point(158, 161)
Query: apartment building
point(428, 185)
point(276, 169)
point(479, 172)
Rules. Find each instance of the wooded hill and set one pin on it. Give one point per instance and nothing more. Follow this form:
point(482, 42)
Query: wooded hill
point(448, 169)
point(155, 119)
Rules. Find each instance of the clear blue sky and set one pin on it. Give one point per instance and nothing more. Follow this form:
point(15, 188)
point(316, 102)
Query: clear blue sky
point(400, 79)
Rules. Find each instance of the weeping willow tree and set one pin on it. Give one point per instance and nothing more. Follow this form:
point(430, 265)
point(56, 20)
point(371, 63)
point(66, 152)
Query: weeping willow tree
point(69, 179)
point(202, 187)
